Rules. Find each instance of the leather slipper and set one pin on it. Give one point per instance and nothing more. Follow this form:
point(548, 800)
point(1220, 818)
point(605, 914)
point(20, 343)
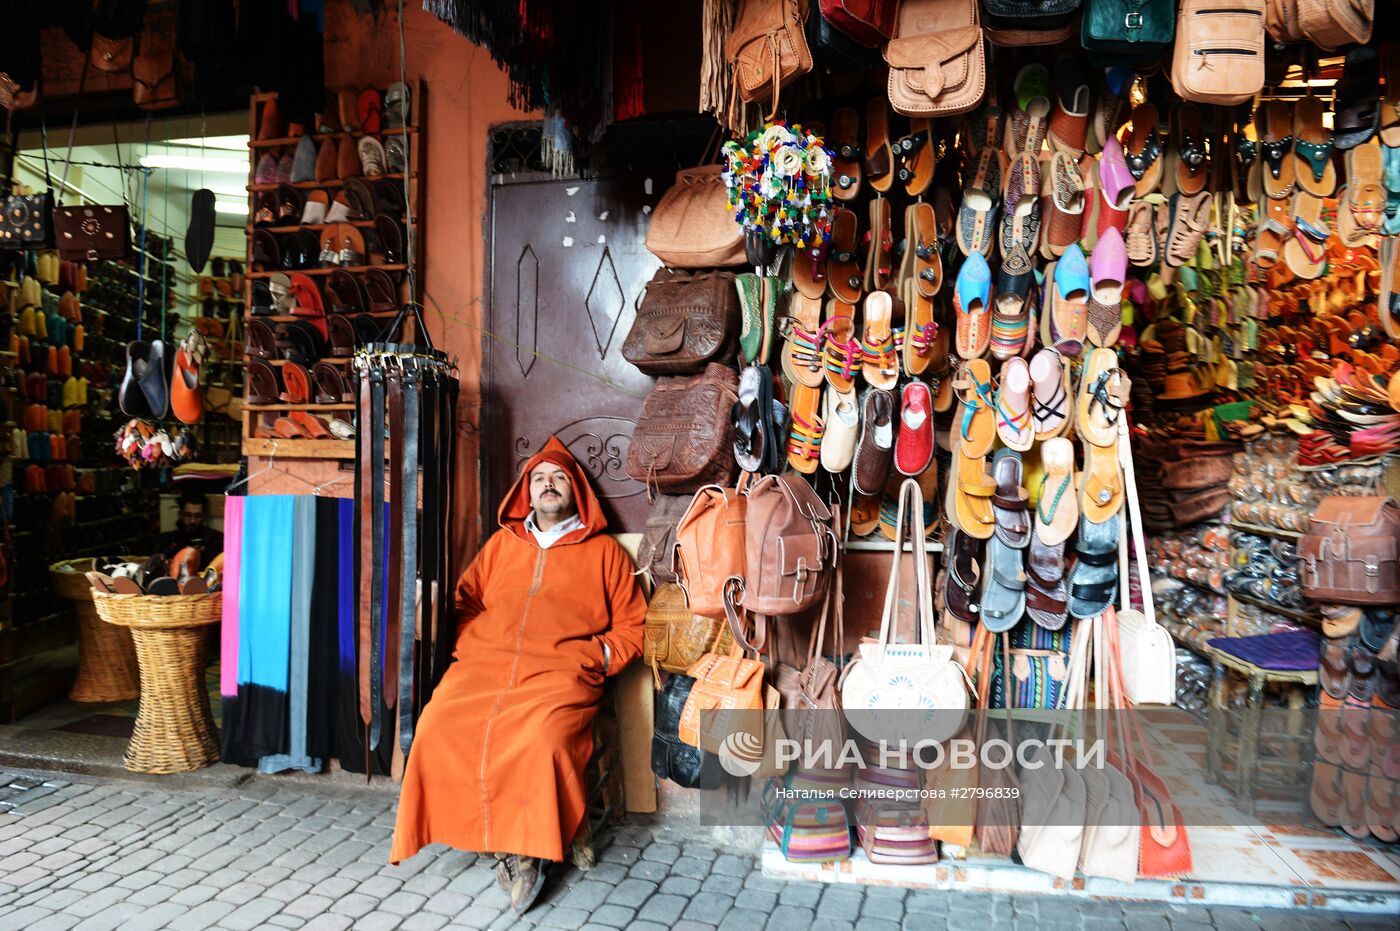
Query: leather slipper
point(841, 138)
point(880, 364)
point(1029, 119)
point(971, 305)
point(913, 447)
point(1015, 424)
point(807, 428)
point(1306, 251)
point(1312, 148)
point(878, 266)
point(917, 158)
point(1047, 589)
point(1279, 171)
point(1145, 150)
point(347, 159)
point(1020, 209)
point(750, 290)
point(840, 347)
point(973, 497)
point(802, 350)
point(1003, 587)
point(1057, 503)
point(1062, 205)
point(1011, 311)
point(1108, 273)
point(841, 417)
point(372, 158)
point(879, 157)
point(975, 423)
point(1068, 296)
point(1070, 122)
point(1011, 501)
point(312, 425)
point(875, 449)
point(1051, 410)
point(1357, 109)
point(926, 280)
point(981, 198)
point(843, 273)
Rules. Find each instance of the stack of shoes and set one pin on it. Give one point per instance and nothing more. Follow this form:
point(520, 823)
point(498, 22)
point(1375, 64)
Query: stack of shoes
point(1266, 572)
point(185, 574)
point(1198, 555)
point(1184, 481)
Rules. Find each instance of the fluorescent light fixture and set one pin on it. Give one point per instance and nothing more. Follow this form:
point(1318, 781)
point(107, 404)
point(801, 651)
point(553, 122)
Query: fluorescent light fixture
point(232, 166)
point(231, 206)
point(222, 143)
point(227, 190)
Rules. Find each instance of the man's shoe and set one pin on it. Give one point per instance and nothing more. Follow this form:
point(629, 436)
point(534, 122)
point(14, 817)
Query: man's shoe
point(529, 880)
point(505, 871)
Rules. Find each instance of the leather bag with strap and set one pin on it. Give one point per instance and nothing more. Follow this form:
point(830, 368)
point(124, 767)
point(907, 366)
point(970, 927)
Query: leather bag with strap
point(675, 637)
point(730, 681)
point(767, 49)
point(868, 22)
point(710, 547)
point(1128, 31)
point(656, 555)
point(811, 700)
point(672, 758)
point(90, 232)
point(682, 440)
point(790, 547)
point(1349, 553)
point(684, 322)
point(1146, 651)
point(154, 70)
point(1218, 57)
point(693, 226)
point(27, 221)
point(938, 64)
point(1329, 24)
point(1029, 22)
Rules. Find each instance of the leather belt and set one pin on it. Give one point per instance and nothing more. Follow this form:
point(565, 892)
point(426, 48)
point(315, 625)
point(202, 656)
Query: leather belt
point(394, 551)
point(376, 601)
point(409, 573)
point(364, 517)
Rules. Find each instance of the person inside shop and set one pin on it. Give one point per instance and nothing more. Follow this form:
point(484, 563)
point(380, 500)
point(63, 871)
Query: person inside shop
point(546, 611)
point(192, 530)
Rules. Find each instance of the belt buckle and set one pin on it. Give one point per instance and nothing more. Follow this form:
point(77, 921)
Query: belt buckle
point(1132, 20)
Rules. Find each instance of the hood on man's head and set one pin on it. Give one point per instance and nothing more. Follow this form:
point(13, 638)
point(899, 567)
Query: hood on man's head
point(516, 505)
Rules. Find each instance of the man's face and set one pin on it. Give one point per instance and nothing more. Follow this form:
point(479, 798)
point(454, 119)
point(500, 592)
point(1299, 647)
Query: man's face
point(551, 495)
point(191, 517)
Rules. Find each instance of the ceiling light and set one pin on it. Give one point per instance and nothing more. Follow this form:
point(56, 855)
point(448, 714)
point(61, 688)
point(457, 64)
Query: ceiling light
point(231, 206)
point(232, 166)
point(223, 143)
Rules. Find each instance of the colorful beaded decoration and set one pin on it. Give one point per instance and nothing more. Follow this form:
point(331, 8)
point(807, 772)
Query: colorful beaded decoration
point(779, 185)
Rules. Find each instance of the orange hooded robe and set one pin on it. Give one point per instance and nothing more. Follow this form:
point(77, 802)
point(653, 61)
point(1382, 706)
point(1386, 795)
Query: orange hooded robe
point(498, 758)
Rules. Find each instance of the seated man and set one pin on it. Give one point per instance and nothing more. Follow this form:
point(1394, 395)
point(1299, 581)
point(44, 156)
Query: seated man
point(547, 609)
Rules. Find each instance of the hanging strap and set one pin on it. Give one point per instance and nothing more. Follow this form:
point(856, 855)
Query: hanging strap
point(393, 532)
point(377, 528)
point(364, 572)
point(408, 621)
point(428, 537)
point(72, 134)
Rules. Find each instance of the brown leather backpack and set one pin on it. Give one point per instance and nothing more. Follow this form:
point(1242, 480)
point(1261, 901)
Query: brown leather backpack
point(710, 547)
point(1350, 551)
point(791, 546)
point(684, 322)
point(938, 66)
point(656, 554)
point(682, 440)
point(1218, 57)
point(767, 48)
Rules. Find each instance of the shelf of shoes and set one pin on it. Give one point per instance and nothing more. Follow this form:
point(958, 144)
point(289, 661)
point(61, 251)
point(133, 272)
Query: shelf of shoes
point(268, 429)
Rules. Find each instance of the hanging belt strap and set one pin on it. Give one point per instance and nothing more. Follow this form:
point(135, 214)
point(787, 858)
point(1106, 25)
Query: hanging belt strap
point(447, 443)
point(430, 522)
point(394, 535)
point(408, 621)
point(376, 602)
point(364, 517)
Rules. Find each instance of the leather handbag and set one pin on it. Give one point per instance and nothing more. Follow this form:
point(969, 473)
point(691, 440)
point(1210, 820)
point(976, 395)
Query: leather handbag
point(868, 22)
point(675, 637)
point(810, 699)
point(724, 682)
point(155, 84)
point(671, 758)
point(1329, 24)
point(682, 440)
point(767, 49)
point(790, 546)
point(1146, 651)
point(937, 62)
point(1128, 31)
point(684, 322)
point(656, 554)
point(1011, 23)
point(710, 547)
point(693, 225)
point(91, 233)
point(1349, 554)
point(27, 221)
point(111, 55)
point(1218, 57)
point(887, 681)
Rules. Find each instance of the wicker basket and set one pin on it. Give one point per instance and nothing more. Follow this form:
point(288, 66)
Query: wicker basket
point(106, 657)
point(174, 730)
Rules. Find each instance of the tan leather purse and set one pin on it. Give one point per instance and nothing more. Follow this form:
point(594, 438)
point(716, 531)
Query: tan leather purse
point(675, 637)
point(767, 49)
point(710, 547)
point(692, 226)
point(1218, 57)
point(684, 322)
point(937, 61)
point(729, 681)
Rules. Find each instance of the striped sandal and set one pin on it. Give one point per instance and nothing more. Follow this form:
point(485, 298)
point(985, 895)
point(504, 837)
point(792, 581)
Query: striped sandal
point(879, 363)
point(805, 434)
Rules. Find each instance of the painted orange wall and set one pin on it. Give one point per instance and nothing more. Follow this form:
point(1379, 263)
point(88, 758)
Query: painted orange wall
point(467, 93)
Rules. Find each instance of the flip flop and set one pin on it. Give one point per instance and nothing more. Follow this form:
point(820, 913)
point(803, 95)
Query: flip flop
point(971, 300)
point(841, 137)
point(1278, 172)
point(1011, 502)
point(802, 341)
point(1057, 503)
point(1047, 589)
point(975, 423)
point(1108, 272)
point(809, 270)
point(1062, 205)
point(1188, 162)
point(1103, 390)
point(879, 364)
point(1069, 301)
point(878, 267)
point(1190, 221)
point(843, 272)
point(805, 433)
point(1003, 588)
point(1312, 148)
point(1093, 582)
point(841, 355)
point(1306, 251)
point(974, 489)
point(981, 198)
point(1245, 182)
point(921, 242)
point(1015, 425)
point(1145, 150)
point(1100, 484)
point(879, 157)
point(1051, 411)
point(917, 158)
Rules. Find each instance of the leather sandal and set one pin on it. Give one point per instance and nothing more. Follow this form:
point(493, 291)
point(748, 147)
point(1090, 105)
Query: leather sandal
point(981, 199)
point(1306, 251)
point(878, 265)
point(1145, 150)
point(841, 354)
point(1011, 501)
point(805, 433)
point(964, 577)
point(1275, 229)
point(865, 514)
point(1188, 162)
point(1390, 103)
point(262, 383)
point(809, 270)
point(1365, 197)
point(843, 272)
point(1051, 410)
point(879, 156)
point(311, 425)
point(1100, 484)
point(1015, 424)
point(332, 384)
point(917, 157)
point(1103, 392)
point(1093, 582)
point(1278, 170)
point(1057, 502)
point(973, 499)
point(1190, 221)
point(802, 341)
point(975, 422)
point(1325, 795)
point(1312, 148)
point(749, 439)
point(926, 280)
point(879, 362)
point(846, 163)
point(1047, 590)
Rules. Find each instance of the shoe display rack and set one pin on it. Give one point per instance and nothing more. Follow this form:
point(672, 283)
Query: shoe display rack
point(325, 275)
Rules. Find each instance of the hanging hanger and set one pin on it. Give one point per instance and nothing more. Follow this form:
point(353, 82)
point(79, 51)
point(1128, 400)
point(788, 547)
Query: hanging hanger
point(271, 460)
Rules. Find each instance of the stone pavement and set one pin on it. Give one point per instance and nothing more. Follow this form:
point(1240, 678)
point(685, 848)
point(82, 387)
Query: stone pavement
point(94, 853)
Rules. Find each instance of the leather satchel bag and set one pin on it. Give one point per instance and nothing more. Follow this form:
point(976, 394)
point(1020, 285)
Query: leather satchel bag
point(1128, 31)
point(682, 440)
point(155, 84)
point(767, 49)
point(27, 221)
point(656, 554)
point(111, 55)
point(693, 225)
point(790, 547)
point(1349, 553)
point(729, 681)
point(675, 637)
point(684, 322)
point(91, 233)
point(887, 681)
point(671, 758)
point(937, 62)
point(1219, 53)
point(868, 22)
point(1012, 23)
point(710, 547)
point(811, 699)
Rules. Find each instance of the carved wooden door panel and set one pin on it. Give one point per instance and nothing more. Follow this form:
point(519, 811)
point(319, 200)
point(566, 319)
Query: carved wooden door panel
point(566, 264)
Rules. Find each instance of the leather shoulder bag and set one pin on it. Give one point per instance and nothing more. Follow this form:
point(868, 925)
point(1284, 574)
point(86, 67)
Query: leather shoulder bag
point(671, 758)
point(1332, 24)
point(1128, 31)
point(675, 637)
point(791, 546)
point(682, 440)
point(710, 547)
point(656, 555)
point(154, 71)
point(1218, 57)
point(868, 22)
point(693, 225)
point(27, 219)
point(767, 48)
point(1012, 23)
point(90, 232)
point(684, 322)
point(731, 681)
point(938, 65)
point(1350, 550)
point(1147, 653)
point(811, 699)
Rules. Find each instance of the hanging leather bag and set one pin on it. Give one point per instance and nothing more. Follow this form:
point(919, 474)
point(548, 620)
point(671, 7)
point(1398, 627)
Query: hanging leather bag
point(1128, 31)
point(656, 555)
point(1218, 57)
point(90, 233)
point(27, 219)
point(671, 758)
point(154, 73)
point(731, 681)
point(767, 49)
point(1332, 24)
point(867, 22)
point(114, 27)
point(675, 637)
point(938, 65)
point(1349, 553)
point(1147, 653)
point(693, 225)
point(682, 440)
point(811, 700)
point(684, 322)
point(710, 547)
point(1012, 23)
point(998, 814)
point(790, 548)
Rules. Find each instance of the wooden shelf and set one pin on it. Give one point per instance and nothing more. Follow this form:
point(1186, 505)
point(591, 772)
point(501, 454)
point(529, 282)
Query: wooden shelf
point(347, 406)
point(354, 269)
point(356, 134)
point(299, 448)
point(1277, 533)
point(1303, 617)
point(257, 188)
